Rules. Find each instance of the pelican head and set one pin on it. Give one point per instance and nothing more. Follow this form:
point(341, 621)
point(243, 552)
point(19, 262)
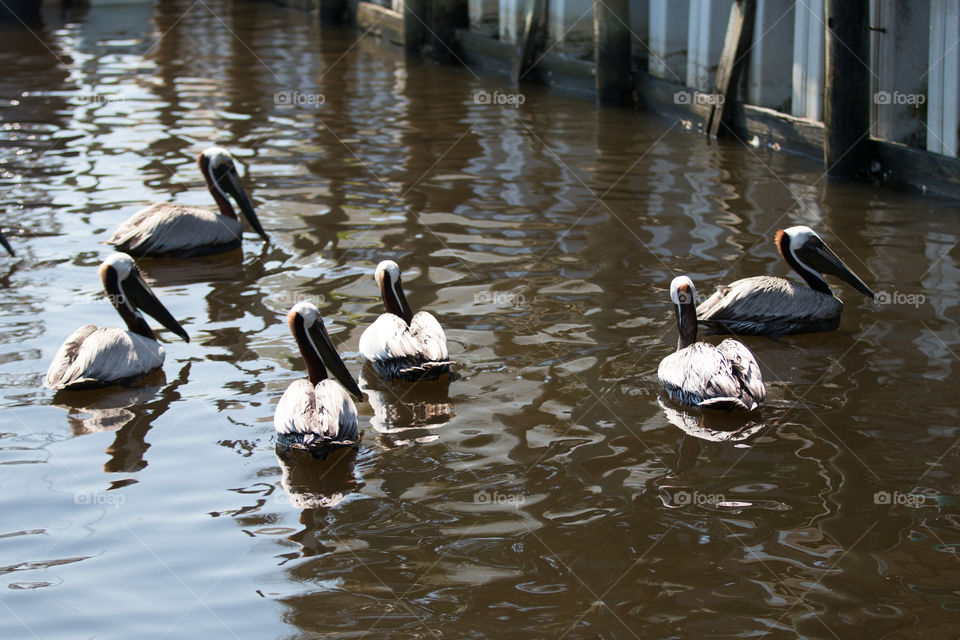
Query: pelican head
point(317, 349)
point(809, 256)
point(391, 290)
point(129, 294)
point(6, 245)
point(222, 178)
point(684, 297)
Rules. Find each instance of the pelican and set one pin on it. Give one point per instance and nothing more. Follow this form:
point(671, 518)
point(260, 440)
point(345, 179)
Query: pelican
point(400, 345)
point(166, 228)
point(698, 374)
point(770, 306)
point(98, 357)
point(6, 245)
point(317, 413)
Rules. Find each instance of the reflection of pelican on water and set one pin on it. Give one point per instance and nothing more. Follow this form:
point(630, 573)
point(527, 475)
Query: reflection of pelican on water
point(93, 411)
point(413, 410)
point(710, 426)
point(128, 411)
point(312, 484)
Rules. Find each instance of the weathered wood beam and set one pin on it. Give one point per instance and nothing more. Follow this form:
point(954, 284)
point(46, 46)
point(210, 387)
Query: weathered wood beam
point(736, 51)
point(415, 26)
point(532, 42)
point(846, 99)
point(611, 52)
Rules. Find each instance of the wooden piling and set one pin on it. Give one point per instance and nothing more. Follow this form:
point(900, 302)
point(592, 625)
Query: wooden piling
point(736, 50)
point(21, 12)
point(846, 99)
point(611, 52)
point(333, 11)
point(532, 40)
point(414, 25)
point(444, 18)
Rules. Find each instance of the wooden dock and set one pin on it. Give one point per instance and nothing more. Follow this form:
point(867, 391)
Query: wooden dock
point(871, 88)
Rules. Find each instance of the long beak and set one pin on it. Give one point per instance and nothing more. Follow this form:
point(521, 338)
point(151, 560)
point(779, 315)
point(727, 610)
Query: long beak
point(231, 184)
point(142, 298)
point(821, 258)
point(333, 362)
point(6, 245)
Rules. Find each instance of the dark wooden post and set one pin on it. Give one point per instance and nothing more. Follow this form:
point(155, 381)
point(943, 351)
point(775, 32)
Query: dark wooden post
point(532, 40)
point(611, 50)
point(736, 51)
point(846, 92)
point(414, 25)
point(445, 17)
point(332, 11)
point(22, 12)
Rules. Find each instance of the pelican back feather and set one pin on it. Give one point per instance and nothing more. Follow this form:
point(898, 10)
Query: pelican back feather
point(316, 418)
point(164, 228)
point(414, 352)
point(768, 306)
point(93, 357)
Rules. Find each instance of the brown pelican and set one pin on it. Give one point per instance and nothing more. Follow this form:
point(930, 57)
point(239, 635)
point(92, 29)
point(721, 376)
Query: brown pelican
point(698, 374)
point(317, 413)
point(400, 344)
point(97, 357)
point(6, 245)
point(770, 306)
point(165, 228)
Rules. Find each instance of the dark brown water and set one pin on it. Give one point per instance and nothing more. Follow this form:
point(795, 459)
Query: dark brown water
point(546, 493)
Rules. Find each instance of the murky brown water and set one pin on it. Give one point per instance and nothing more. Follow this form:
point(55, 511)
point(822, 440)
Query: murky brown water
point(546, 493)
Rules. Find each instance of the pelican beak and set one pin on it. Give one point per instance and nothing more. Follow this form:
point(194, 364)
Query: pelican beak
point(6, 245)
point(333, 362)
point(142, 298)
point(819, 256)
point(231, 184)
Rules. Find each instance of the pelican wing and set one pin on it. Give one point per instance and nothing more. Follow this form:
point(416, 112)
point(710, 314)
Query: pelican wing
point(700, 375)
point(164, 227)
point(389, 338)
point(429, 334)
point(767, 305)
point(98, 357)
point(745, 368)
point(315, 414)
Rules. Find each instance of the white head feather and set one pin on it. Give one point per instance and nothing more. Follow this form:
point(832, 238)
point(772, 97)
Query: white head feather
point(218, 156)
point(799, 236)
point(675, 294)
point(390, 268)
point(121, 263)
point(308, 311)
